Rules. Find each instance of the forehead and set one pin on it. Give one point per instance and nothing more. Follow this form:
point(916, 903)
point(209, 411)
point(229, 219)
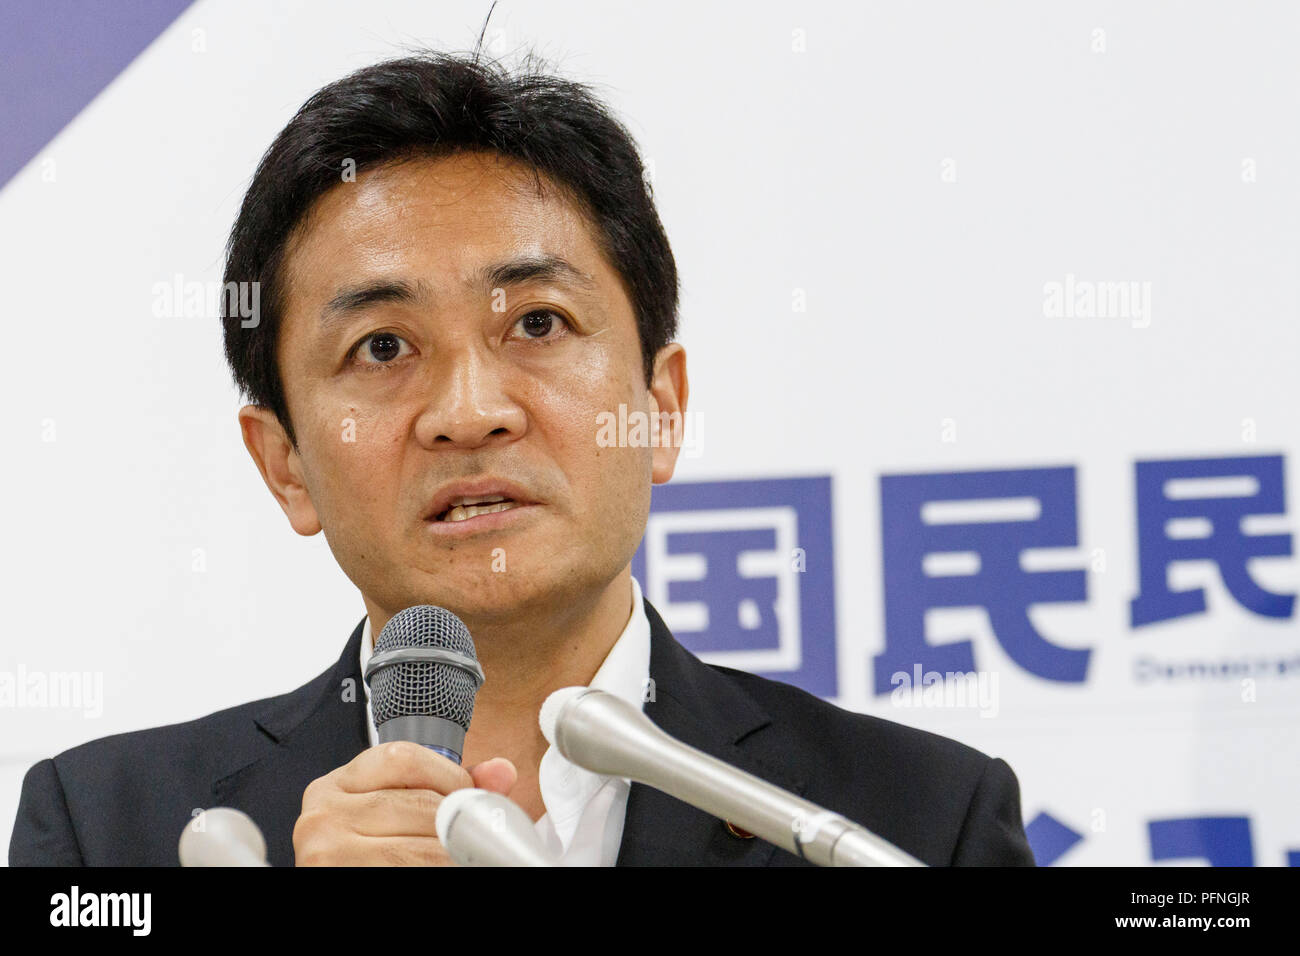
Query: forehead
point(438, 219)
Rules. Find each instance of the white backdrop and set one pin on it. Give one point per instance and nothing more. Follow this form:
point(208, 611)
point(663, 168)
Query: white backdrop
point(867, 204)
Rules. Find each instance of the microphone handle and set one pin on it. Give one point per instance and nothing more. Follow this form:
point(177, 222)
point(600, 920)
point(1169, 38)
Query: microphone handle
point(654, 758)
point(437, 734)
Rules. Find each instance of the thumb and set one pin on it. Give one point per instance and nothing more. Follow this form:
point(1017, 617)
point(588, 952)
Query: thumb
point(498, 775)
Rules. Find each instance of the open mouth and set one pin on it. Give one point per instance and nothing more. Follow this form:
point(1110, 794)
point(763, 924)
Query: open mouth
point(467, 509)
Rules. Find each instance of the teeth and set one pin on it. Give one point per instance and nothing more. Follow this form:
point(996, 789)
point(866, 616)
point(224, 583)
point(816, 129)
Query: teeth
point(485, 499)
point(463, 512)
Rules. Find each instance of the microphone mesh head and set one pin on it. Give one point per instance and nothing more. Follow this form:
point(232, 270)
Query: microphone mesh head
point(424, 688)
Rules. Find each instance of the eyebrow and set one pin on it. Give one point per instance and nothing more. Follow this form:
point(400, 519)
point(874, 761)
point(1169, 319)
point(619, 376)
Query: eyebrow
point(536, 268)
point(355, 299)
point(520, 269)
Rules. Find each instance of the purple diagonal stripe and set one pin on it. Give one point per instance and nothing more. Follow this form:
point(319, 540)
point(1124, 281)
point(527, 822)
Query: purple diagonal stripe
point(58, 55)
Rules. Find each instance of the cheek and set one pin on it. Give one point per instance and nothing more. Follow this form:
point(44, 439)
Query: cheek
point(577, 402)
point(355, 460)
point(604, 375)
point(610, 484)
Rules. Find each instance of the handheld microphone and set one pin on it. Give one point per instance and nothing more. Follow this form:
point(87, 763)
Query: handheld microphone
point(222, 836)
point(482, 828)
point(422, 678)
point(605, 734)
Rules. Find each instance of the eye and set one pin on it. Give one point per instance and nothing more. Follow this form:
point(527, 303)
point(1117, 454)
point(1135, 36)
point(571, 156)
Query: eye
point(539, 323)
point(379, 348)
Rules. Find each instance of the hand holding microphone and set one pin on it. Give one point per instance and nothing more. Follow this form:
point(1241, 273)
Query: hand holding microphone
point(381, 807)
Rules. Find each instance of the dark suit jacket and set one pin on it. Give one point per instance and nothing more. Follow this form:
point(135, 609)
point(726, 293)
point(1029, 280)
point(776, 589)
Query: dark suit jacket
point(124, 800)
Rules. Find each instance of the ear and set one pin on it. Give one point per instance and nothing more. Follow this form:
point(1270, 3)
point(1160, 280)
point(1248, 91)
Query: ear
point(280, 465)
point(669, 390)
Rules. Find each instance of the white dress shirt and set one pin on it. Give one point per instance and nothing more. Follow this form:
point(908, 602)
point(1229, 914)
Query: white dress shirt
point(583, 823)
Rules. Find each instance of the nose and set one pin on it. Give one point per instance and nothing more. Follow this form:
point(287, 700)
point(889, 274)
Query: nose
point(468, 404)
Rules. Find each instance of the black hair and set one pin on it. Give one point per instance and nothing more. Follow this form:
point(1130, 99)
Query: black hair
point(435, 104)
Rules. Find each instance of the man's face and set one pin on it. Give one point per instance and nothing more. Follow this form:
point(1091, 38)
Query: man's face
point(433, 332)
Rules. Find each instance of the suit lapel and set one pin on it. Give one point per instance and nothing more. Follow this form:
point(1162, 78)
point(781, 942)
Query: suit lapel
point(295, 739)
point(700, 707)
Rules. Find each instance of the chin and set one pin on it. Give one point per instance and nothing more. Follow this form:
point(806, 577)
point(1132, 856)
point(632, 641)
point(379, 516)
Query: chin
point(486, 597)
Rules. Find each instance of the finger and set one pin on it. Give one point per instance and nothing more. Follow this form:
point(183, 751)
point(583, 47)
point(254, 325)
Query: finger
point(389, 813)
point(401, 764)
point(498, 775)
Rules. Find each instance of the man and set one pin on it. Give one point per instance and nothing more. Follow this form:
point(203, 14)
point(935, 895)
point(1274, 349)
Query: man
point(460, 269)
